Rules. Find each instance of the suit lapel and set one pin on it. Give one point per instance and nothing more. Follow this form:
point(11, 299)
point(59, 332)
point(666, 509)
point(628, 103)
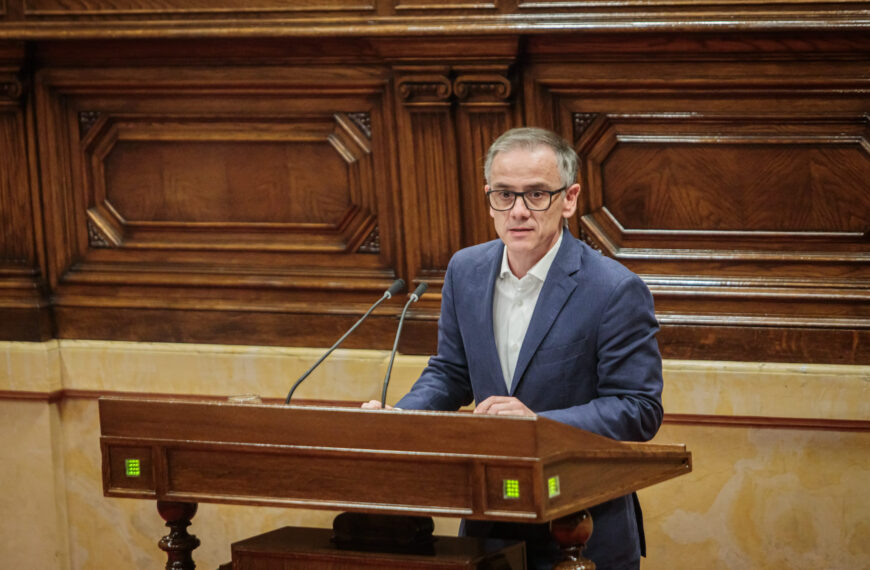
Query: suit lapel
point(483, 291)
point(558, 286)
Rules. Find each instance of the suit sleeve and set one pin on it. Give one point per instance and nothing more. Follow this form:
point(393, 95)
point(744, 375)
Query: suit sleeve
point(628, 402)
point(444, 384)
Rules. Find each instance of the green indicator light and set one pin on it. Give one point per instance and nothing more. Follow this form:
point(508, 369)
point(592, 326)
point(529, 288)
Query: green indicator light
point(553, 486)
point(511, 488)
point(132, 467)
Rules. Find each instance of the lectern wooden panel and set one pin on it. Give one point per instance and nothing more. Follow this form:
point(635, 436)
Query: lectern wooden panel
point(396, 462)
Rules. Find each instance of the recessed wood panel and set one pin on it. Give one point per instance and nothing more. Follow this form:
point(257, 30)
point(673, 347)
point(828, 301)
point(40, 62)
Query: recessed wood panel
point(24, 306)
point(243, 182)
point(746, 186)
point(15, 210)
point(234, 138)
point(312, 477)
point(250, 195)
point(739, 190)
point(207, 181)
point(177, 175)
point(683, 182)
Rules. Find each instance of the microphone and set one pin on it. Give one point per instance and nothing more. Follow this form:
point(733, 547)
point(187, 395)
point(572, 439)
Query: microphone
point(397, 286)
point(412, 298)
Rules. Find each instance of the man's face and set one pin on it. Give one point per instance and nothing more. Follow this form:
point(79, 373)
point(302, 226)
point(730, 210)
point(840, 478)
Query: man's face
point(528, 235)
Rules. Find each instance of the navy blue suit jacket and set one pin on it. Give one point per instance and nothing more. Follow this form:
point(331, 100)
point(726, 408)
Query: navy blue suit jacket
point(589, 359)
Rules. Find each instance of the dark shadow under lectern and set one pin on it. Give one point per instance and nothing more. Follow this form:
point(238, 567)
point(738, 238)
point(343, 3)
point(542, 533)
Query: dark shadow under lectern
point(180, 453)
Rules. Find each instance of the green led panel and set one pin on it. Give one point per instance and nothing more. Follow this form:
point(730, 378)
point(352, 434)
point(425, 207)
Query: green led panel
point(553, 489)
point(511, 488)
point(132, 467)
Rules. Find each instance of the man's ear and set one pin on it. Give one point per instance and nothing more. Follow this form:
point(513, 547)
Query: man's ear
point(569, 206)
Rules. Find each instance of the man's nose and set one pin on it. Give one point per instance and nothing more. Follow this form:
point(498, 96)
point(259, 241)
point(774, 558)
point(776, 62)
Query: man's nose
point(519, 208)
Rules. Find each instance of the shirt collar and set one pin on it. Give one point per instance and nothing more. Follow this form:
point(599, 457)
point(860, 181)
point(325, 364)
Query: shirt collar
point(540, 269)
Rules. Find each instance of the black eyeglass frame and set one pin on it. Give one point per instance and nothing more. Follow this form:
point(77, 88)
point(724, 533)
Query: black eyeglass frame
point(525, 202)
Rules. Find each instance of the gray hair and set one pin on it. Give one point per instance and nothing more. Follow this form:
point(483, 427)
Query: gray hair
point(530, 138)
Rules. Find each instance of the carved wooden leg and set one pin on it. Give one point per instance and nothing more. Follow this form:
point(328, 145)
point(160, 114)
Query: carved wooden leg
point(572, 533)
point(178, 545)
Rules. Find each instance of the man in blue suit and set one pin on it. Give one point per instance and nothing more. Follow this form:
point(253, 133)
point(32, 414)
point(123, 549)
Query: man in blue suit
point(539, 323)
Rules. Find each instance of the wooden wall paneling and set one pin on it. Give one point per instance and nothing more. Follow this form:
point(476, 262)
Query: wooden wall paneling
point(24, 305)
point(154, 182)
point(485, 109)
point(740, 190)
point(60, 212)
point(389, 234)
point(429, 189)
point(453, 96)
point(763, 342)
point(15, 205)
point(451, 93)
point(208, 193)
point(728, 168)
point(429, 175)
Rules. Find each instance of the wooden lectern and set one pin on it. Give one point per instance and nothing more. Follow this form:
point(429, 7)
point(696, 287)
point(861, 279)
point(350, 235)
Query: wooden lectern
point(180, 453)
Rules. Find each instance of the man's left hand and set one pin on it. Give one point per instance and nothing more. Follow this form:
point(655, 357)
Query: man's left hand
point(503, 406)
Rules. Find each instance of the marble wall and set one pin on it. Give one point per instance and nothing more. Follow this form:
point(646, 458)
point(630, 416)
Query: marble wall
point(781, 455)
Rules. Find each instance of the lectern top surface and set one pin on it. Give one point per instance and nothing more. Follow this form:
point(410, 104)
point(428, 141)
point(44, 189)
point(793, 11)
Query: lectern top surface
point(345, 428)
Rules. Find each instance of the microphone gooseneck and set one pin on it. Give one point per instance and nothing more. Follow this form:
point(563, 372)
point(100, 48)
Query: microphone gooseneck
point(412, 298)
point(397, 286)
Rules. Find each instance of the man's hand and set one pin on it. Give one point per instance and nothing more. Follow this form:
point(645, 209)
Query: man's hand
point(375, 405)
point(502, 406)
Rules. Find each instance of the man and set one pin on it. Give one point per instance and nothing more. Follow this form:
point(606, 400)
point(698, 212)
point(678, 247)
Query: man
point(537, 322)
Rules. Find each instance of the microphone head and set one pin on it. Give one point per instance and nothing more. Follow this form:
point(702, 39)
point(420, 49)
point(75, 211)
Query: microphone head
point(418, 292)
point(397, 286)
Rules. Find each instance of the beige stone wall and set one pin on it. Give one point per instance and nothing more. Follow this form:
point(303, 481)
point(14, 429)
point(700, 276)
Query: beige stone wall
point(767, 493)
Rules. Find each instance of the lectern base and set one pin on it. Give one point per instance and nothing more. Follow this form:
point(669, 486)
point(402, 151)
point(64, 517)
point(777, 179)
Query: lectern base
point(314, 549)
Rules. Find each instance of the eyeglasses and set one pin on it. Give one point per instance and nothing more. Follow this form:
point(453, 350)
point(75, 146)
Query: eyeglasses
point(535, 200)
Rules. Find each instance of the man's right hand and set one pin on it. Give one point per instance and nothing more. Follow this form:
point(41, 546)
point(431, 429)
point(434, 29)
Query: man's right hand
point(375, 405)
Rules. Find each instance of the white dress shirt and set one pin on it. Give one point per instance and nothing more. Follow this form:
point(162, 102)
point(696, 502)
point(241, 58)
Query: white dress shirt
point(513, 303)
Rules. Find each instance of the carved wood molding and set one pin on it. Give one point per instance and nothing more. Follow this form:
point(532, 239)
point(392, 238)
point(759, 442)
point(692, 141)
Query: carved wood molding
point(95, 236)
point(466, 87)
point(425, 89)
point(55, 19)
point(87, 119)
point(474, 87)
point(590, 240)
point(11, 87)
point(372, 243)
point(363, 121)
point(581, 122)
